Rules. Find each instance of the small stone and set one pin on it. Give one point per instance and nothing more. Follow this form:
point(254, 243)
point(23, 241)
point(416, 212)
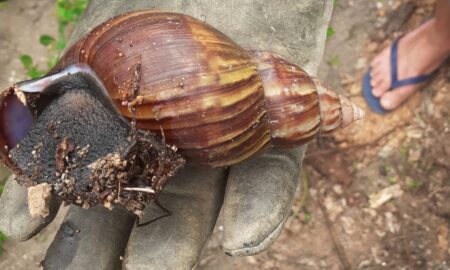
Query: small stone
point(348, 224)
point(364, 264)
point(384, 195)
point(361, 63)
point(381, 12)
point(333, 207)
point(86, 205)
point(251, 260)
point(337, 189)
point(391, 223)
point(108, 205)
point(443, 238)
point(414, 155)
point(414, 133)
point(380, 233)
point(386, 151)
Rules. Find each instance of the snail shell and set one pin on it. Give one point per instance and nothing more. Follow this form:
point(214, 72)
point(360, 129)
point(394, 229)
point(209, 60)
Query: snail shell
point(218, 103)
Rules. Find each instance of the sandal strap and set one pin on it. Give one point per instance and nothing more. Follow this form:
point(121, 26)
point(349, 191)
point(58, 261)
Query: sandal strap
point(395, 83)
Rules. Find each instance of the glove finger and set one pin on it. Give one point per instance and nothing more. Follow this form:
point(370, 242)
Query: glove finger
point(90, 239)
point(194, 197)
point(258, 200)
point(15, 218)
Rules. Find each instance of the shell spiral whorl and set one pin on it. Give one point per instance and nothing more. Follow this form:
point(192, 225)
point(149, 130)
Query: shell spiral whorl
point(218, 103)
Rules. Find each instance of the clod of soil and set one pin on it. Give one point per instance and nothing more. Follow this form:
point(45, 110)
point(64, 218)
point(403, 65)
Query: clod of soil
point(135, 178)
point(86, 156)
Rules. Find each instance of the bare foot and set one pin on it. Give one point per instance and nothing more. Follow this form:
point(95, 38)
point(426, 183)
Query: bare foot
point(420, 52)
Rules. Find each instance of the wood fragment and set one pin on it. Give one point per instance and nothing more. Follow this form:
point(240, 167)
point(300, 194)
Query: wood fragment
point(147, 189)
point(63, 150)
point(39, 200)
point(134, 93)
point(337, 245)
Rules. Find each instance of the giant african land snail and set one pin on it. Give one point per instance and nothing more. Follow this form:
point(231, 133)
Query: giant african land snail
point(216, 102)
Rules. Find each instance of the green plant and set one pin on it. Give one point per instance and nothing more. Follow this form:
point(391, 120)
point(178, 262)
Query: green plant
point(307, 217)
point(32, 69)
point(305, 188)
point(68, 13)
point(4, 5)
point(2, 240)
point(334, 61)
point(46, 40)
point(386, 168)
point(330, 32)
point(2, 235)
point(392, 180)
point(414, 185)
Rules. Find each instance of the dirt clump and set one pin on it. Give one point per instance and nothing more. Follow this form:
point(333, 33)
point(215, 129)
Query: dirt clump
point(133, 178)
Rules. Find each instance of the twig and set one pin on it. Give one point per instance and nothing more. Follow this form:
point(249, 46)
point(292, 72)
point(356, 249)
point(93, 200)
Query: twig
point(408, 253)
point(343, 149)
point(405, 236)
point(119, 191)
point(305, 190)
point(167, 213)
point(162, 134)
point(147, 189)
point(131, 103)
point(339, 249)
point(438, 190)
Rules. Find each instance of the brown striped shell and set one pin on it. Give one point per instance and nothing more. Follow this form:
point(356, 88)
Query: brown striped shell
point(218, 103)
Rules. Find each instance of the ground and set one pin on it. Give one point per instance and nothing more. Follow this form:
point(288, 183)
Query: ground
point(377, 191)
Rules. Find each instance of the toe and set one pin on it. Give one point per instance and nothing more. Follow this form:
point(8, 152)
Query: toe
point(381, 88)
point(375, 62)
point(378, 82)
point(377, 92)
point(375, 78)
point(378, 89)
point(380, 85)
point(373, 83)
point(392, 100)
point(387, 102)
point(380, 74)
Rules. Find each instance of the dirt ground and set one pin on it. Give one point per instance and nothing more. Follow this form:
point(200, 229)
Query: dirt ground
point(377, 191)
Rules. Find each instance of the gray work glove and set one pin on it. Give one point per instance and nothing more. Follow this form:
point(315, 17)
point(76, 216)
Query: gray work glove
point(255, 196)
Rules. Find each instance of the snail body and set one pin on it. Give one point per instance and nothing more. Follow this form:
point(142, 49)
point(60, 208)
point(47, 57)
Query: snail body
point(218, 103)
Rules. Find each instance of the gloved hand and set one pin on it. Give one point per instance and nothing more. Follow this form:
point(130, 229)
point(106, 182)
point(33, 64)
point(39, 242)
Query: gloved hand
point(255, 196)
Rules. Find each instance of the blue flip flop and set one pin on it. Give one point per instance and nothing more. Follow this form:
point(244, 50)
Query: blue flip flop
point(374, 102)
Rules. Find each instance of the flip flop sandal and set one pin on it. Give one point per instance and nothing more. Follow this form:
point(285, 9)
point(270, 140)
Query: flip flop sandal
point(374, 102)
